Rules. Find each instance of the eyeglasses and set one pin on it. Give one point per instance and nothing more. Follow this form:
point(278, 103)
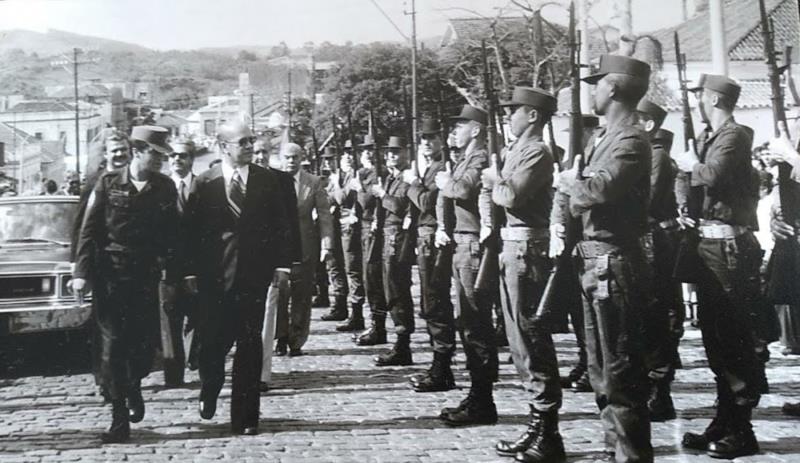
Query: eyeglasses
point(178, 155)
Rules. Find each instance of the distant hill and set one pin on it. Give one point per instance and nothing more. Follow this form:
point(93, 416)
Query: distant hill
point(54, 42)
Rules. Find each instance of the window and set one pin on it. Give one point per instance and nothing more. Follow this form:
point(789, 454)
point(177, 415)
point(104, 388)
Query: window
point(38, 135)
point(62, 135)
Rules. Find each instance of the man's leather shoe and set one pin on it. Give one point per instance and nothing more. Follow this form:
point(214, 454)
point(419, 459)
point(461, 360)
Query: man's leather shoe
point(573, 375)
point(351, 324)
point(135, 403)
point(296, 352)
point(120, 429)
point(734, 445)
point(263, 387)
point(791, 409)
point(250, 431)
point(583, 384)
point(476, 412)
point(372, 337)
point(280, 348)
point(208, 408)
point(320, 301)
point(438, 378)
point(400, 355)
point(715, 431)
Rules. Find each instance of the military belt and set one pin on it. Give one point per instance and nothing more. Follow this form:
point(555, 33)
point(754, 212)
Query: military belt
point(465, 238)
point(523, 233)
point(590, 249)
point(713, 231)
point(424, 232)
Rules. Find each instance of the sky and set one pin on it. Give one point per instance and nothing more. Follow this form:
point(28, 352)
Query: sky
point(187, 24)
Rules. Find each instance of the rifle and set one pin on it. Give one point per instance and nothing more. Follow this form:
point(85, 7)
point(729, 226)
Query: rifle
point(409, 245)
point(785, 261)
point(562, 282)
point(352, 136)
point(488, 277)
point(376, 242)
point(687, 260)
point(315, 160)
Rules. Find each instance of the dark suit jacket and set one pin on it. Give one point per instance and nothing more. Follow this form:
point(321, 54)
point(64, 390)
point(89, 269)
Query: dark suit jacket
point(226, 252)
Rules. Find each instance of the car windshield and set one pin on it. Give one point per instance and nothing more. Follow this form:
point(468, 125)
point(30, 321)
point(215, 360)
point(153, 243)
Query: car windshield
point(36, 222)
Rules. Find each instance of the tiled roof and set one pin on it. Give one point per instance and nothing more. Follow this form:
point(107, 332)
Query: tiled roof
point(88, 90)
point(170, 120)
point(40, 106)
point(742, 31)
point(10, 135)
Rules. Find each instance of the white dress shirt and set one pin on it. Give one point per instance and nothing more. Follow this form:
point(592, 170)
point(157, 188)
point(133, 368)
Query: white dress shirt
point(187, 182)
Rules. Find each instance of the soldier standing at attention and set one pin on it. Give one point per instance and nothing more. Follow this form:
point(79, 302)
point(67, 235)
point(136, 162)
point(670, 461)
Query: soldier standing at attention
point(609, 196)
point(664, 320)
point(396, 266)
point(343, 190)
point(524, 191)
point(434, 264)
point(729, 278)
point(334, 266)
point(371, 244)
point(473, 309)
point(132, 225)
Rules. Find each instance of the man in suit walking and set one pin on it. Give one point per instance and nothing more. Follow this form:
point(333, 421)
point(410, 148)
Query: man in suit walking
point(316, 243)
point(240, 225)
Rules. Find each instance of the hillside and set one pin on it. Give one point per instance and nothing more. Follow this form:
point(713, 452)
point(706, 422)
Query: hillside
point(54, 42)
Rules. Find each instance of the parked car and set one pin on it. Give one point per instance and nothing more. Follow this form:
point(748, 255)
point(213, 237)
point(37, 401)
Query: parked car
point(35, 268)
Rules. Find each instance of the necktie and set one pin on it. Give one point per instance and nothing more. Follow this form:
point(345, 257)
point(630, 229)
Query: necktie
point(182, 196)
point(236, 195)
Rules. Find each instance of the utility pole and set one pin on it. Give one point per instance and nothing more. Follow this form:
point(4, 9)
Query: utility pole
point(719, 49)
point(413, 14)
point(289, 106)
point(75, 63)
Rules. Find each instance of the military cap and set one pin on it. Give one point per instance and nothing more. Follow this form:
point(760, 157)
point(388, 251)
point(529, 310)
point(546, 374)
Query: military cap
point(154, 136)
point(472, 113)
point(395, 143)
point(656, 112)
point(369, 142)
point(329, 152)
point(718, 83)
point(183, 145)
point(533, 97)
point(348, 144)
point(590, 121)
point(430, 127)
point(664, 136)
point(616, 64)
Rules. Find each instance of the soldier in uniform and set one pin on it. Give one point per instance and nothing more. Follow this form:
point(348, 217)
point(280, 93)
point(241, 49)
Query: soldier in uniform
point(434, 264)
point(334, 267)
point(524, 192)
point(728, 280)
point(132, 225)
point(460, 190)
point(396, 263)
point(664, 320)
point(343, 190)
point(371, 243)
point(609, 196)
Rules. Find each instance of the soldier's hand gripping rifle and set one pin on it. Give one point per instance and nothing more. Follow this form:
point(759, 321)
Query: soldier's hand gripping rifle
point(488, 277)
point(687, 260)
point(785, 261)
point(411, 221)
point(563, 273)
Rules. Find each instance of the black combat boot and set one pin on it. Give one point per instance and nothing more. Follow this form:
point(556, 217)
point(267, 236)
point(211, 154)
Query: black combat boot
point(399, 355)
point(321, 300)
point(338, 312)
point(120, 429)
point(478, 408)
point(376, 334)
point(583, 384)
point(506, 448)
point(718, 427)
point(136, 402)
point(355, 322)
point(438, 378)
point(791, 409)
point(660, 403)
point(739, 441)
point(546, 445)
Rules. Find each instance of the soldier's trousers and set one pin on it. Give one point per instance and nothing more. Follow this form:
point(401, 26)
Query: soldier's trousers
point(128, 328)
point(373, 270)
point(524, 270)
point(615, 287)
point(663, 322)
point(437, 307)
point(335, 267)
point(353, 263)
point(728, 288)
point(473, 310)
point(237, 316)
point(397, 282)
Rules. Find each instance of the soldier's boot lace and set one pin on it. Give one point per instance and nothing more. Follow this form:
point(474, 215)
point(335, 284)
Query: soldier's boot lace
point(547, 446)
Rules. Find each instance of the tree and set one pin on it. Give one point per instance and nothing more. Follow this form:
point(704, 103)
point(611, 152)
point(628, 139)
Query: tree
point(245, 55)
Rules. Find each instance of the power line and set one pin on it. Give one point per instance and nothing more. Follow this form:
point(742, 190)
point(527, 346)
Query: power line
point(397, 28)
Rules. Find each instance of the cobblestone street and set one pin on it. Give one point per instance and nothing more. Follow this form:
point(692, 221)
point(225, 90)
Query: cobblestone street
point(333, 405)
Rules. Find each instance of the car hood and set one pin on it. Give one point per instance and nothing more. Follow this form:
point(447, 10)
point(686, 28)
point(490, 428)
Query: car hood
point(34, 258)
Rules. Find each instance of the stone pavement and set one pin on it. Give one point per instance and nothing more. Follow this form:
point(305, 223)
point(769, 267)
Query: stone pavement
point(332, 405)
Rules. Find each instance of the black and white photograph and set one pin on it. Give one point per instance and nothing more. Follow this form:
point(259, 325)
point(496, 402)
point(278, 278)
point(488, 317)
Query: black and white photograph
point(412, 231)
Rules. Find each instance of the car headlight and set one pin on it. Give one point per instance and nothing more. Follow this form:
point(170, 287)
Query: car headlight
point(66, 288)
